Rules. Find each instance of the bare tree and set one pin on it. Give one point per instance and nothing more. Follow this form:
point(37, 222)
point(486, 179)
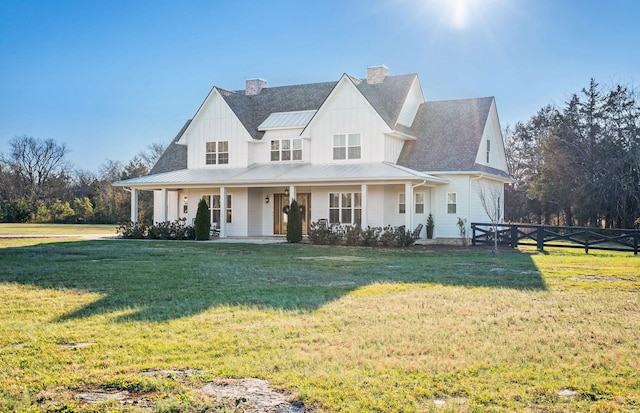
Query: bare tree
point(152, 154)
point(36, 161)
point(491, 198)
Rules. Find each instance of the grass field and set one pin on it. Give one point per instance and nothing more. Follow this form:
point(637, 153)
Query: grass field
point(56, 229)
point(342, 329)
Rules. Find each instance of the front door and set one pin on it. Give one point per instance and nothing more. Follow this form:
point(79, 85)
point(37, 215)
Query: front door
point(280, 217)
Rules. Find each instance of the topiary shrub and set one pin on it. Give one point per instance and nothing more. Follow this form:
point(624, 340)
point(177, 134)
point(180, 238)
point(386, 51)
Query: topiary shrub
point(203, 222)
point(294, 223)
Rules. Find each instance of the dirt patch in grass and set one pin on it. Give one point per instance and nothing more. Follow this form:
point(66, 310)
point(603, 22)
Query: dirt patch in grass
point(249, 395)
point(252, 395)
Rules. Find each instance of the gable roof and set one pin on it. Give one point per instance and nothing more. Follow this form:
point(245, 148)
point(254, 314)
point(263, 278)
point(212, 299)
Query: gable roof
point(387, 97)
point(448, 134)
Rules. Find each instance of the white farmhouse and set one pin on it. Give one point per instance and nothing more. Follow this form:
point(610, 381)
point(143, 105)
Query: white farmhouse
point(354, 151)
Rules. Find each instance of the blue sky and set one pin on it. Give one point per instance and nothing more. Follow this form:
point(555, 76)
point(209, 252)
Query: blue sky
point(108, 78)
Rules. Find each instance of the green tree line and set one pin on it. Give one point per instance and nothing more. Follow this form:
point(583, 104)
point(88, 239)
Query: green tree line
point(578, 164)
point(37, 184)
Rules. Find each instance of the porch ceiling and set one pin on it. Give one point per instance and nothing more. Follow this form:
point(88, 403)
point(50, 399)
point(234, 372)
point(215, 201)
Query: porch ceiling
point(283, 173)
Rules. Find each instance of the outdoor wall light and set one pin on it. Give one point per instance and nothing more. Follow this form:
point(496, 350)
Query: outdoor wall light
point(286, 191)
point(266, 199)
point(185, 200)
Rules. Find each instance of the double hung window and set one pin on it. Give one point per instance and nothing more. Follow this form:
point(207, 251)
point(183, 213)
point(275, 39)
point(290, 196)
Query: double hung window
point(346, 146)
point(345, 208)
point(217, 153)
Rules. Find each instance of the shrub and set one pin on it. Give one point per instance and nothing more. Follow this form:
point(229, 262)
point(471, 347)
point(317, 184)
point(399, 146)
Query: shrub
point(352, 234)
point(405, 237)
point(294, 223)
point(388, 236)
point(203, 222)
point(322, 234)
point(133, 230)
point(370, 236)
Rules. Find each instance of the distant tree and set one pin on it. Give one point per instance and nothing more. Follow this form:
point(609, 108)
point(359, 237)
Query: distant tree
point(152, 154)
point(203, 221)
point(294, 223)
point(61, 211)
point(83, 209)
point(36, 162)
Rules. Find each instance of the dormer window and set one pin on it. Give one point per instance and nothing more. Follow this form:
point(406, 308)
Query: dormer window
point(346, 146)
point(286, 150)
point(217, 153)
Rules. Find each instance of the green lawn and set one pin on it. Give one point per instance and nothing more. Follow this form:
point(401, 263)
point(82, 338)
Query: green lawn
point(342, 329)
point(56, 229)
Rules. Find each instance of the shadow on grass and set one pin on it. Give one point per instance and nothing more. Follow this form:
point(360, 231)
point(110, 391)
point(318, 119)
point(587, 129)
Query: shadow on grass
point(157, 281)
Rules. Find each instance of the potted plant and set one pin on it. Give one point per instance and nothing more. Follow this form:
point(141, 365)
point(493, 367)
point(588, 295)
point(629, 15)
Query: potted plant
point(430, 226)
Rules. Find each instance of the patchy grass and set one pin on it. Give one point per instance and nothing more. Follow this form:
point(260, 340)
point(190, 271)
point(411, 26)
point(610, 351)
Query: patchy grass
point(343, 329)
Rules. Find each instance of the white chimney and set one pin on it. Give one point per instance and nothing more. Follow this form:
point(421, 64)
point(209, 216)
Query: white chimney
point(254, 86)
point(376, 74)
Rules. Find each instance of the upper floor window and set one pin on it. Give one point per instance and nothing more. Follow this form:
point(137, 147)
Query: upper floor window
point(488, 150)
point(286, 150)
point(451, 202)
point(345, 208)
point(217, 153)
point(346, 146)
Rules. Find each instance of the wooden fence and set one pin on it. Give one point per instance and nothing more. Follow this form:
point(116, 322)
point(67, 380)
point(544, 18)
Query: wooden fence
point(542, 236)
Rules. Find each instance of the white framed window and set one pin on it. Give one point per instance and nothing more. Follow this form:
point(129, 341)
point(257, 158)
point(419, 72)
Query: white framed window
point(488, 150)
point(346, 146)
point(345, 208)
point(402, 204)
point(217, 153)
point(451, 202)
point(213, 202)
point(419, 202)
point(286, 150)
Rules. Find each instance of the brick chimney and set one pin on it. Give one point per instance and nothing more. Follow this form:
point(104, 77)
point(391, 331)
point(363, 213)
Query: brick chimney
point(376, 74)
point(254, 86)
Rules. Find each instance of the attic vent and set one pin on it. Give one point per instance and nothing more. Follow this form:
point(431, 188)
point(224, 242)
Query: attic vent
point(254, 86)
point(376, 74)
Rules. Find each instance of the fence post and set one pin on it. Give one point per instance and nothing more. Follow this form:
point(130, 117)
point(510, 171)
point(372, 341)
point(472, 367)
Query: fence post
point(473, 234)
point(540, 238)
point(635, 242)
point(514, 236)
point(586, 241)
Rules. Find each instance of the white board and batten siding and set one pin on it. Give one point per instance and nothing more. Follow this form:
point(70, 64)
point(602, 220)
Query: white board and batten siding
point(411, 104)
point(215, 121)
point(347, 111)
point(493, 134)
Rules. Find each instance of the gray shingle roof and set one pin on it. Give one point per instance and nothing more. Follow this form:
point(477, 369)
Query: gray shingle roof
point(448, 134)
point(254, 109)
point(174, 157)
point(387, 97)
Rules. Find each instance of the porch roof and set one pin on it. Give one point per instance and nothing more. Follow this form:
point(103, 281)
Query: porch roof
point(271, 174)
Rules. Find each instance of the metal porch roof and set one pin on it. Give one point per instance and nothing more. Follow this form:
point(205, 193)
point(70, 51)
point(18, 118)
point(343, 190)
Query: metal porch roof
point(282, 173)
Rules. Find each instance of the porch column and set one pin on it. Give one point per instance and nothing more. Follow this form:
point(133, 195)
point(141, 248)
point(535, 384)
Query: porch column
point(292, 193)
point(223, 211)
point(164, 196)
point(408, 201)
point(364, 206)
point(134, 205)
